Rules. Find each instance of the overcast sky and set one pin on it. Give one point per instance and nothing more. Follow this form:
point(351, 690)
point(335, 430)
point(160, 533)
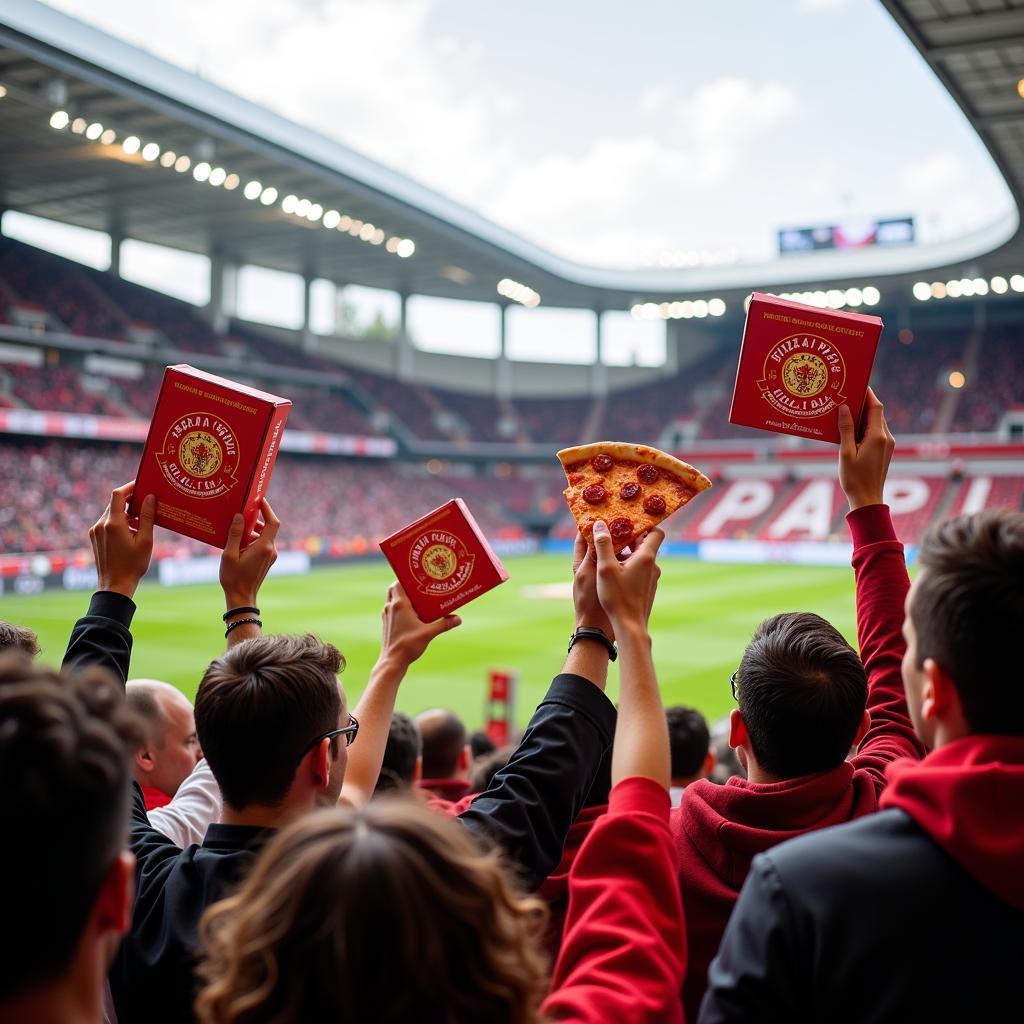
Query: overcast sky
point(607, 132)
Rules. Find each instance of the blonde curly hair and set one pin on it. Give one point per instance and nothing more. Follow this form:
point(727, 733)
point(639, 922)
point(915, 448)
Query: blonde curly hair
point(387, 914)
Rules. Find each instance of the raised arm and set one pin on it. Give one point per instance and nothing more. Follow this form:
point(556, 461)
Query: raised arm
point(122, 553)
point(532, 802)
point(404, 639)
point(623, 951)
point(882, 584)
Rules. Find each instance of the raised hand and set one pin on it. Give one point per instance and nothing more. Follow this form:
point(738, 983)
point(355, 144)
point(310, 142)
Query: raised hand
point(626, 588)
point(404, 637)
point(123, 552)
point(863, 467)
point(242, 572)
point(584, 589)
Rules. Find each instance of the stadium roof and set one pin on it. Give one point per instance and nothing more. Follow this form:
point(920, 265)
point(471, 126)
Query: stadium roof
point(50, 62)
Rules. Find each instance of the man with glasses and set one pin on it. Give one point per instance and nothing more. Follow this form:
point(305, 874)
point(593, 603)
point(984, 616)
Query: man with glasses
point(804, 699)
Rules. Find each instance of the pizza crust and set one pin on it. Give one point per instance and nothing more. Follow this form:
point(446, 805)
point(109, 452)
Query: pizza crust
point(640, 453)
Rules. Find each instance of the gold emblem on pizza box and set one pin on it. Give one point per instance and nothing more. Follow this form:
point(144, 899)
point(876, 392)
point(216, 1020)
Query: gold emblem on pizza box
point(200, 456)
point(804, 376)
point(439, 563)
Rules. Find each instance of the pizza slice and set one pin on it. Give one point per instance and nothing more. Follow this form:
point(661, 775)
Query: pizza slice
point(630, 486)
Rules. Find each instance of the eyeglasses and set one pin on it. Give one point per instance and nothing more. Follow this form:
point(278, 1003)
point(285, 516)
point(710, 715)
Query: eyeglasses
point(350, 732)
point(732, 683)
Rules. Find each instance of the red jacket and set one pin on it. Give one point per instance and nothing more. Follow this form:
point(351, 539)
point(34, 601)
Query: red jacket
point(623, 951)
point(719, 829)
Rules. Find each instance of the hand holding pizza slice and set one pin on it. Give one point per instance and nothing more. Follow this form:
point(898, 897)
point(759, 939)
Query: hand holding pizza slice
point(630, 486)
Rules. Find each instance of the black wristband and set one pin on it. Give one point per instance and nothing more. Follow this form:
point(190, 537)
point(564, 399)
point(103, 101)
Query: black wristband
point(593, 633)
point(242, 622)
point(238, 611)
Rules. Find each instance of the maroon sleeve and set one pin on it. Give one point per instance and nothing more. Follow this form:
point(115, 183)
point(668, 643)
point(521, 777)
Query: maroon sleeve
point(882, 584)
point(624, 949)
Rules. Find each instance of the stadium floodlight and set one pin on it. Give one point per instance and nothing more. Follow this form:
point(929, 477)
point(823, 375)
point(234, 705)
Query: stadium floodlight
point(392, 243)
point(871, 295)
point(980, 286)
point(182, 164)
point(201, 171)
point(687, 309)
point(167, 158)
point(150, 151)
point(378, 237)
point(1017, 283)
point(94, 131)
point(59, 119)
point(316, 211)
point(953, 289)
point(252, 190)
point(289, 203)
point(1020, 88)
point(999, 285)
point(716, 307)
point(109, 137)
point(819, 298)
point(700, 308)
point(3, 91)
point(956, 379)
point(231, 182)
point(301, 207)
point(938, 290)
point(636, 311)
point(835, 298)
point(269, 196)
point(346, 222)
point(331, 218)
point(79, 125)
point(217, 177)
point(406, 247)
point(854, 296)
point(676, 310)
point(366, 232)
point(131, 145)
point(922, 291)
point(355, 227)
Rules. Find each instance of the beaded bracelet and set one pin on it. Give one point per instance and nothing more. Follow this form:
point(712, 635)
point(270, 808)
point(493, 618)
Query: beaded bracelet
point(242, 622)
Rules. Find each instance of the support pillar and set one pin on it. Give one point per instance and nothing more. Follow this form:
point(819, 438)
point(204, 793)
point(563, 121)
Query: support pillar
point(116, 240)
point(215, 311)
point(503, 368)
point(599, 381)
point(403, 343)
point(307, 339)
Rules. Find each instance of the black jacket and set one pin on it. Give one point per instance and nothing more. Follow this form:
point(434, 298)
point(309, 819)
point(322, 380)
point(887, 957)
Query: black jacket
point(527, 811)
point(868, 921)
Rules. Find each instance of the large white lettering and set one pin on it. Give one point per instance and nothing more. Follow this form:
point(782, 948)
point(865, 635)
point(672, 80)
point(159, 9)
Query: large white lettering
point(810, 513)
point(743, 501)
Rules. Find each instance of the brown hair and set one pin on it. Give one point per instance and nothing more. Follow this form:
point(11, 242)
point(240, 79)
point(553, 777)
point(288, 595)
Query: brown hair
point(968, 613)
point(65, 744)
point(389, 914)
point(257, 708)
point(18, 638)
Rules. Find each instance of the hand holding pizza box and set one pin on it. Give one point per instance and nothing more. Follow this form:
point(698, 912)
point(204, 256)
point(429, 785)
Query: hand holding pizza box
point(443, 560)
point(798, 364)
point(211, 449)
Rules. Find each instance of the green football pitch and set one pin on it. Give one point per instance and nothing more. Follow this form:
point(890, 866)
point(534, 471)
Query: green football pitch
point(703, 617)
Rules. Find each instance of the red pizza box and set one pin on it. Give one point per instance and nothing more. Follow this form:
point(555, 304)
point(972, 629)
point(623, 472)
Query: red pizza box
point(443, 560)
point(798, 364)
point(211, 448)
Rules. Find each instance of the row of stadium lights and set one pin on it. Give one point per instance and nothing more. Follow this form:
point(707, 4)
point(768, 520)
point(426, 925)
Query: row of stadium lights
point(521, 293)
point(966, 287)
point(217, 177)
point(699, 308)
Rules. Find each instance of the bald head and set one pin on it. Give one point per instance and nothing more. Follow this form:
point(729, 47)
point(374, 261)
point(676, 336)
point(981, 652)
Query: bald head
point(444, 744)
point(170, 750)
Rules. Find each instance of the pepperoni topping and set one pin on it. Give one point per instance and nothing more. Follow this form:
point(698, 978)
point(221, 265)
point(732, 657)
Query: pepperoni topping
point(594, 494)
point(621, 528)
point(576, 478)
point(647, 474)
point(602, 463)
point(654, 504)
point(629, 491)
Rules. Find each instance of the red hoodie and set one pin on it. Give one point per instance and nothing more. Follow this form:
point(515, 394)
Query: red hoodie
point(624, 949)
point(969, 797)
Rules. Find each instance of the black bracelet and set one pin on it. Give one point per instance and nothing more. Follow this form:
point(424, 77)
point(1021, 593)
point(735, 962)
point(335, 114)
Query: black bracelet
point(238, 611)
point(242, 622)
point(593, 633)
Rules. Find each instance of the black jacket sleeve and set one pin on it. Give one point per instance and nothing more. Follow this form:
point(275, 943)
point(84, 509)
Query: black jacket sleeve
point(103, 635)
point(753, 976)
point(534, 799)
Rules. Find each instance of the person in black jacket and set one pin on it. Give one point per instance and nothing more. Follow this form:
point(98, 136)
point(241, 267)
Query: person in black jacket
point(526, 812)
point(915, 912)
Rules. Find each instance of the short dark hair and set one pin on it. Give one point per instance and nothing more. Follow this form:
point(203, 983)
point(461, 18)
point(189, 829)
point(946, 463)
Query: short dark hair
point(18, 638)
point(480, 744)
point(968, 612)
point(65, 747)
point(689, 740)
point(403, 748)
point(802, 691)
point(257, 708)
point(443, 742)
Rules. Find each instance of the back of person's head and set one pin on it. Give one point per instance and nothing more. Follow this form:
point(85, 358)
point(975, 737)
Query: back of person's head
point(402, 752)
point(480, 744)
point(388, 914)
point(65, 746)
point(801, 690)
point(967, 613)
point(689, 741)
point(444, 743)
point(258, 708)
point(18, 639)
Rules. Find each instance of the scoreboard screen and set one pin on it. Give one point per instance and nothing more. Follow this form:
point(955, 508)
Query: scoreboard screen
point(849, 234)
